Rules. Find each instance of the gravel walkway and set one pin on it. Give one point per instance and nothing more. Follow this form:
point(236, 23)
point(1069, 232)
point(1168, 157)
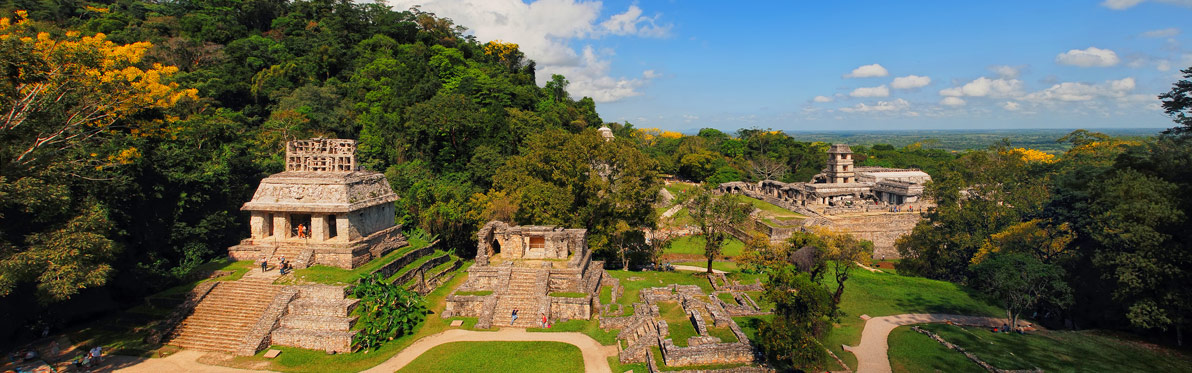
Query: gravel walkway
point(871, 353)
point(696, 269)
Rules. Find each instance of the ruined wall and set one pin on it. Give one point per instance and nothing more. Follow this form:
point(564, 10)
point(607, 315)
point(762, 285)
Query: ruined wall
point(882, 229)
point(563, 308)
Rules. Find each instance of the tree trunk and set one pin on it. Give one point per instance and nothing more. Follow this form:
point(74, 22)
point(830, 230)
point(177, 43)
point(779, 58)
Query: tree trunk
point(624, 261)
point(1013, 320)
point(709, 265)
point(839, 292)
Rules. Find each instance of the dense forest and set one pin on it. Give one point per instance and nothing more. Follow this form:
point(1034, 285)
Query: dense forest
point(1094, 237)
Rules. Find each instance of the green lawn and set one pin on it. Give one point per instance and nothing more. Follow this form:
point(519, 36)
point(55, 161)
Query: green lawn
point(724, 333)
point(590, 328)
point(911, 351)
point(677, 321)
point(338, 276)
point(769, 208)
point(1059, 351)
point(723, 266)
point(694, 245)
point(649, 279)
point(884, 294)
point(615, 364)
point(488, 357)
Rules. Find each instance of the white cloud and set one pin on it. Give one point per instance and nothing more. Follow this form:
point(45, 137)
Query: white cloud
point(1010, 106)
point(633, 23)
point(879, 91)
point(688, 118)
point(1091, 57)
point(545, 30)
point(1076, 91)
point(868, 71)
point(650, 74)
point(822, 99)
point(1163, 65)
point(982, 87)
point(1120, 4)
point(1005, 71)
point(882, 106)
point(910, 81)
point(952, 101)
point(1126, 4)
point(1162, 33)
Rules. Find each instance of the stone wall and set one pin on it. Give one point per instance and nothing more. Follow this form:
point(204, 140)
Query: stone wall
point(882, 229)
point(465, 305)
point(706, 354)
point(563, 308)
point(421, 269)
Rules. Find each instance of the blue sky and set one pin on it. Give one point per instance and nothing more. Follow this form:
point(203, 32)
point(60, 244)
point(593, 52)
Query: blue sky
point(789, 65)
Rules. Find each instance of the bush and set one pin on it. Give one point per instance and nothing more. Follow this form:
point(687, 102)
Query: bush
point(386, 311)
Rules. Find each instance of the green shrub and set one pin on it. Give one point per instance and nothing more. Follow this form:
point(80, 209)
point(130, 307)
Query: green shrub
point(386, 311)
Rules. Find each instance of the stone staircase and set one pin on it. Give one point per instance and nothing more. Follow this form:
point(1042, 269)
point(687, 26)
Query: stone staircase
point(298, 256)
point(224, 317)
point(319, 319)
point(526, 293)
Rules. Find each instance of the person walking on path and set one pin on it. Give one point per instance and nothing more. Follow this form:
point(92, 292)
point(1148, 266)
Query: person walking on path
point(281, 266)
point(264, 265)
point(543, 320)
point(513, 318)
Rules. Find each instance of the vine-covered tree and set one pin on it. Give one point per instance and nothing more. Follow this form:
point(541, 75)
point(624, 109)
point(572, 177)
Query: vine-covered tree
point(715, 215)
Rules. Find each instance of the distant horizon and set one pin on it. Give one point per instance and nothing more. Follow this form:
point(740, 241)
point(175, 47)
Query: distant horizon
point(694, 131)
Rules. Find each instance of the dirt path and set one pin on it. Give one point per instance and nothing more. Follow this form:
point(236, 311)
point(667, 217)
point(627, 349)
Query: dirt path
point(595, 354)
point(696, 269)
point(182, 361)
point(872, 352)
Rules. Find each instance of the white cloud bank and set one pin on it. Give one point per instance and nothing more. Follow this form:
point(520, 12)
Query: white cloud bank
point(822, 99)
point(985, 87)
point(952, 101)
point(910, 81)
point(868, 71)
point(1091, 57)
point(881, 106)
point(544, 29)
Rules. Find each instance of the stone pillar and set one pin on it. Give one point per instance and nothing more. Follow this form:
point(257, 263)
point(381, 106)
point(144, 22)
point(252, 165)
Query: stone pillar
point(318, 227)
point(281, 225)
point(343, 226)
point(258, 225)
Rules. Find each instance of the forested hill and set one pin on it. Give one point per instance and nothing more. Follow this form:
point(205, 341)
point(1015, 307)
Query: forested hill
point(133, 132)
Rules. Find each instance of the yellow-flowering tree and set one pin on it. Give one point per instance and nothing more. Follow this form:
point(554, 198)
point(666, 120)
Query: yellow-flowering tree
point(69, 104)
point(58, 93)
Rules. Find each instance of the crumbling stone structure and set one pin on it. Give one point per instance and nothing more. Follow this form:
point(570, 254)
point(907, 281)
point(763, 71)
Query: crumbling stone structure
point(323, 209)
point(840, 184)
point(537, 270)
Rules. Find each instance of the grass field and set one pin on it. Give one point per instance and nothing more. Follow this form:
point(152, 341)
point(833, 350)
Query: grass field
point(488, 357)
point(677, 321)
point(884, 294)
point(911, 351)
point(694, 245)
point(1053, 351)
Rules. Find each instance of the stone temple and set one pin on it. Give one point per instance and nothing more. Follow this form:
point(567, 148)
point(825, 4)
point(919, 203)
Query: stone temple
point(537, 270)
point(323, 209)
point(841, 184)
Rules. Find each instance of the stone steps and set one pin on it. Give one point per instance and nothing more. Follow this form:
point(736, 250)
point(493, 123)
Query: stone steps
point(320, 319)
point(225, 315)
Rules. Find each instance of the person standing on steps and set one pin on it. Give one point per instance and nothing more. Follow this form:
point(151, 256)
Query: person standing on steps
point(513, 318)
point(264, 265)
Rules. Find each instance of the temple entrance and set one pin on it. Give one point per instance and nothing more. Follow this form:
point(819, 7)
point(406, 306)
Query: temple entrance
point(300, 225)
point(496, 247)
point(332, 230)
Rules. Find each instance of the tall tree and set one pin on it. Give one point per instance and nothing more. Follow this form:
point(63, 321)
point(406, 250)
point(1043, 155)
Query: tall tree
point(716, 215)
point(1020, 282)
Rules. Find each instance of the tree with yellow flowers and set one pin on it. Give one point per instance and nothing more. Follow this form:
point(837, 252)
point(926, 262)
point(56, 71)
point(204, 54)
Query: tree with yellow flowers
point(63, 98)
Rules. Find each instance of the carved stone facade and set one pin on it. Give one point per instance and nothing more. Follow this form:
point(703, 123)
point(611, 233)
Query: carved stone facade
point(537, 270)
point(322, 209)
